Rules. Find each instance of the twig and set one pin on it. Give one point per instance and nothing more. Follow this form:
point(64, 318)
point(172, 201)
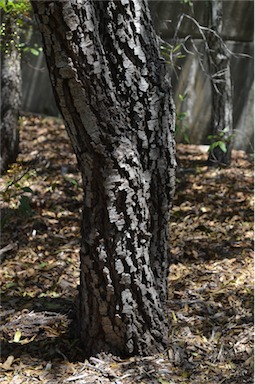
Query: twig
point(92, 367)
point(196, 52)
point(7, 248)
point(201, 29)
point(43, 69)
point(14, 181)
point(78, 377)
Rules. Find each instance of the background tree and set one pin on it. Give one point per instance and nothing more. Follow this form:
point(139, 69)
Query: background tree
point(15, 18)
point(110, 85)
point(218, 71)
point(222, 100)
point(10, 86)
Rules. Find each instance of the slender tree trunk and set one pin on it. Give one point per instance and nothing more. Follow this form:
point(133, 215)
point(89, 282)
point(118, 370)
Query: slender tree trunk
point(222, 103)
point(110, 85)
point(10, 95)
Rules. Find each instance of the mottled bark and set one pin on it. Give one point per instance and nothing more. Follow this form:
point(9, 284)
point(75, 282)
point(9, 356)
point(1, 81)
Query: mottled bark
point(10, 94)
point(111, 87)
point(220, 75)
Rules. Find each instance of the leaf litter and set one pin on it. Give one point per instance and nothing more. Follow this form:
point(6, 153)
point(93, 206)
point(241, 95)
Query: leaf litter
point(211, 274)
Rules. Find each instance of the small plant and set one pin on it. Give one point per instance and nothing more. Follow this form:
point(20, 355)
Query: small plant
point(188, 2)
point(25, 48)
point(220, 140)
point(20, 15)
point(171, 53)
point(17, 194)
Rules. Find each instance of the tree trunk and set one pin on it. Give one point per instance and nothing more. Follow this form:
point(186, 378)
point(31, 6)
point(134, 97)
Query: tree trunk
point(222, 103)
point(10, 94)
point(111, 87)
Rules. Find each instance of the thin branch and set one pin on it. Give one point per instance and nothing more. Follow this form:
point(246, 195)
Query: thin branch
point(15, 180)
point(196, 52)
point(201, 29)
point(25, 60)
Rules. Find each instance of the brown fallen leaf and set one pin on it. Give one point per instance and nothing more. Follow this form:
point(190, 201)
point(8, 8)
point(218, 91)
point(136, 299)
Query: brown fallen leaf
point(7, 365)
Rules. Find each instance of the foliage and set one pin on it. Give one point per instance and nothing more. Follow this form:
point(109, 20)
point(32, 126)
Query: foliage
point(17, 193)
point(16, 8)
point(18, 14)
point(189, 2)
point(221, 140)
point(171, 53)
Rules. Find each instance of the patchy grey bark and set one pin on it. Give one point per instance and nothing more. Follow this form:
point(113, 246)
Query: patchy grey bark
point(111, 87)
point(10, 95)
point(222, 103)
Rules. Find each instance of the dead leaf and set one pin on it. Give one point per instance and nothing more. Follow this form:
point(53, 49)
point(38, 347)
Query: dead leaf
point(7, 365)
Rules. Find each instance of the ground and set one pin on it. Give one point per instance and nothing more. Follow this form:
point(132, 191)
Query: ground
point(210, 302)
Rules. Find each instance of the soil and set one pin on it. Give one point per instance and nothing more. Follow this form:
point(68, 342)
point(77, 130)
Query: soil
point(210, 301)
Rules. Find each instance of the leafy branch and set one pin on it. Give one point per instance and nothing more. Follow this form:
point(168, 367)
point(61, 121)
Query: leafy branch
point(18, 15)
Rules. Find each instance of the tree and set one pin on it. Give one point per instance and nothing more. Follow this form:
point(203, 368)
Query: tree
point(218, 60)
point(16, 20)
point(221, 85)
point(111, 87)
point(10, 89)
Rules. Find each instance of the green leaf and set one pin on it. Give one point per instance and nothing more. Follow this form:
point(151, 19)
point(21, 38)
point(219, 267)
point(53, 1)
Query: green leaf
point(166, 49)
point(27, 189)
point(214, 145)
point(72, 181)
point(174, 317)
point(24, 206)
point(43, 265)
point(165, 54)
point(8, 183)
point(222, 146)
point(181, 116)
point(53, 186)
point(177, 47)
point(34, 51)
point(3, 5)
point(186, 138)
point(182, 97)
point(10, 285)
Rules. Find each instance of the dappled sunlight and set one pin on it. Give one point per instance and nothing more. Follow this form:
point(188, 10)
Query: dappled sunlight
point(211, 272)
point(210, 302)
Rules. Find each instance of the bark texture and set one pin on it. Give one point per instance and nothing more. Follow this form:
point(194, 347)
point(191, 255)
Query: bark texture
point(222, 102)
point(10, 95)
point(111, 87)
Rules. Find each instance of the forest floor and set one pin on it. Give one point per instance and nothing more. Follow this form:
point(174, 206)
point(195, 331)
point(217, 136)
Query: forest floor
point(210, 279)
